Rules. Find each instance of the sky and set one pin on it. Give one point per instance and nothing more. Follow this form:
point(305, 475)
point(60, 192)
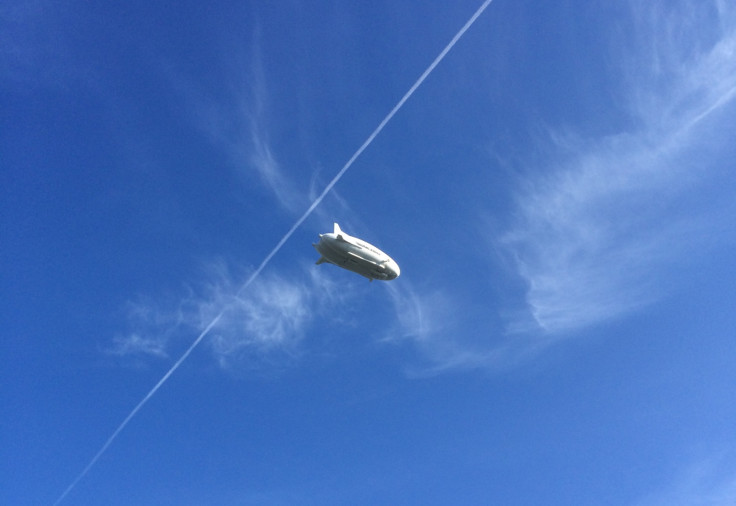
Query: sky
point(558, 193)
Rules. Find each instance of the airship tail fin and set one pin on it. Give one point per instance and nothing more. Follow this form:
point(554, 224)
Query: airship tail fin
point(321, 258)
point(339, 234)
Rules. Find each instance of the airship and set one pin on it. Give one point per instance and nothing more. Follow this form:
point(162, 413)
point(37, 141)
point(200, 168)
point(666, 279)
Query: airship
point(356, 255)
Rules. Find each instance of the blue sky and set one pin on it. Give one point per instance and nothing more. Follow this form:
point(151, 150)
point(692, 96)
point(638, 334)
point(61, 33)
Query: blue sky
point(558, 194)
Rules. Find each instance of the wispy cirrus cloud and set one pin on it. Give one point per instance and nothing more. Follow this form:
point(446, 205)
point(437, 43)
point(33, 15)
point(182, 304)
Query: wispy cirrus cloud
point(271, 318)
point(597, 229)
point(418, 317)
point(234, 116)
point(264, 325)
point(252, 147)
point(598, 226)
point(137, 345)
point(447, 334)
point(424, 321)
point(153, 324)
point(684, 68)
point(708, 482)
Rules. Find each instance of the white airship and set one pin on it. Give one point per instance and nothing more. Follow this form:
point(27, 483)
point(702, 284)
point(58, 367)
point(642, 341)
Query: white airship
point(355, 255)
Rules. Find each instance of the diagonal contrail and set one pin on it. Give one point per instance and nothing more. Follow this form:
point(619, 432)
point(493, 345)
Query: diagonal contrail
point(278, 246)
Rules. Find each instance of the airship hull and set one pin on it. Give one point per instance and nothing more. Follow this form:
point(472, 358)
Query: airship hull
point(355, 255)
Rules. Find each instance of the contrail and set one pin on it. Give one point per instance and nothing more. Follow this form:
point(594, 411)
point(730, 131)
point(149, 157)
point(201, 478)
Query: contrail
point(278, 246)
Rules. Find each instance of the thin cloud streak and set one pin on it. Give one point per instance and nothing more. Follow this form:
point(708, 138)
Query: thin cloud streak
point(435, 324)
point(237, 123)
point(690, 69)
point(135, 344)
point(269, 321)
point(259, 154)
point(709, 482)
point(278, 246)
point(153, 327)
point(592, 237)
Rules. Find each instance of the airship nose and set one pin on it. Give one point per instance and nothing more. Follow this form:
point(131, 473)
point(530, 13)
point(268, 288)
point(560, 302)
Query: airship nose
point(395, 268)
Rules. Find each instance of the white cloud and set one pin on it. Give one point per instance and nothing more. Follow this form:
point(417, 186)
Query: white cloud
point(595, 231)
point(682, 62)
point(262, 160)
point(418, 317)
point(266, 324)
point(253, 151)
point(153, 325)
point(135, 344)
point(236, 122)
point(710, 482)
point(270, 318)
point(435, 325)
